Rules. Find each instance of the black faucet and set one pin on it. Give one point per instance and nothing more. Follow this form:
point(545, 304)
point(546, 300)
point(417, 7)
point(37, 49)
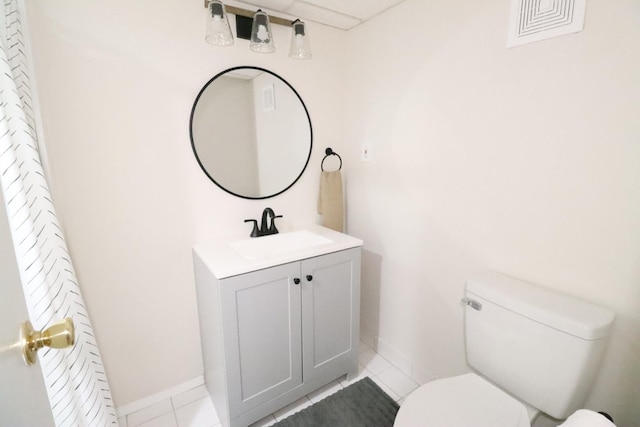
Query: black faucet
point(264, 229)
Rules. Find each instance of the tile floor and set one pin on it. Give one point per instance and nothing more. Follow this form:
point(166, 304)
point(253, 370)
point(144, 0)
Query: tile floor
point(194, 409)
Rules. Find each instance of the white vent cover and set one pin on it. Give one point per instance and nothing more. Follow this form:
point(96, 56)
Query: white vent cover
point(533, 20)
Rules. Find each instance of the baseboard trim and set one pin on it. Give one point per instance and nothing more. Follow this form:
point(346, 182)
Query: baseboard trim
point(385, 350)
point(398, 359)
point(159, 397)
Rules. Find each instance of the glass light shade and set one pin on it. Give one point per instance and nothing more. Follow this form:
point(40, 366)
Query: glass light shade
point(261, 38)
point(300, 48)
point(218, 29)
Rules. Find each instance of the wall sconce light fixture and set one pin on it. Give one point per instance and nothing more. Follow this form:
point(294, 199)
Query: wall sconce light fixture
point(218, 29)
point(261, 38)
point(255, 27)
point(299, 41)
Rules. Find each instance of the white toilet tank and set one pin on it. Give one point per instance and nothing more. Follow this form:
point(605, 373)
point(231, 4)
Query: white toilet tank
point(541, 346)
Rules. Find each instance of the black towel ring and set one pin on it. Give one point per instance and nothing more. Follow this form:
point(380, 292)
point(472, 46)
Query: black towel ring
point(329, 152)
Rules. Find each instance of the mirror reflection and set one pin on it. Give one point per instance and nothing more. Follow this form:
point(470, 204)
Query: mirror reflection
point(251, 132)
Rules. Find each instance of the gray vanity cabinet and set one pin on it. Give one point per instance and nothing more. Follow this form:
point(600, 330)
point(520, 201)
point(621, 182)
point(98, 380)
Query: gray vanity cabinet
point(274, 335)
point(330, 315)
point(262, 335)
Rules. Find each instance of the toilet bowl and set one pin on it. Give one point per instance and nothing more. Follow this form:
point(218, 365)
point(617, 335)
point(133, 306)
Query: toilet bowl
point(462, 401)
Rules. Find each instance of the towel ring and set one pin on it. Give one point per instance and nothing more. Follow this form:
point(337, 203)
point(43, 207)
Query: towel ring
point(329, 152)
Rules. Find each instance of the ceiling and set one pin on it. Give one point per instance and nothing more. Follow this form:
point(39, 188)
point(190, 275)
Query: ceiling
point(342, 14)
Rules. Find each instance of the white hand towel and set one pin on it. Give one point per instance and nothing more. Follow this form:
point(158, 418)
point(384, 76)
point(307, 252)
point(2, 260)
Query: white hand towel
point(586, 418)
point(330, 203)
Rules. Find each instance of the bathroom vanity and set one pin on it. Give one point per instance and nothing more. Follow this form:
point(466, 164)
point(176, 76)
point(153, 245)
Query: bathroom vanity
point(279, 318)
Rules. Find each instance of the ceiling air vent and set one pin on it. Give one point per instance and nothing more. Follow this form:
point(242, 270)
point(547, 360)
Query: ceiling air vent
point(533, 20)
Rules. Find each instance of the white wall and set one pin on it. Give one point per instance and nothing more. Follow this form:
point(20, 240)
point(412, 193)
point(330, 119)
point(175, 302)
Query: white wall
point(117, 80)
point(523, 160)
point(226, 150)
point(280, 160)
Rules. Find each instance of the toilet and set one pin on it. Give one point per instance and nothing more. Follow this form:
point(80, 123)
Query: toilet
point(532, 350)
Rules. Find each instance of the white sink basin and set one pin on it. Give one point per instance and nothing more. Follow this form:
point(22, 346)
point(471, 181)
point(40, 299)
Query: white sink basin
point(277, 244)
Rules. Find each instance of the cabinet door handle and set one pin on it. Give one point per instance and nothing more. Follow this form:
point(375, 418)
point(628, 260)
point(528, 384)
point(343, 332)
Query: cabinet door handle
point(309, 277)
point(296, 281)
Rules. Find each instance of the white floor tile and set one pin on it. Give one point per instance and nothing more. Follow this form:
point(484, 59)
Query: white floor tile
point(149, 413)
point(166, 420)
point(265, 422)
point(373, 362)
point(392, 394)
point(325, 391)
point(362, 372)
point(400, 383)
point(194, 408)
point(189, 396)
point(200, 413)
point(291, 409)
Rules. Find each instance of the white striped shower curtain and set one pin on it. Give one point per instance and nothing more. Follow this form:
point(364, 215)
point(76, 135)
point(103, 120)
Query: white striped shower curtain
point(75, 379)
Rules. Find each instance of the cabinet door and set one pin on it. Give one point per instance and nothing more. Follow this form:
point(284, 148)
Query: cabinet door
point(331, 314)
point(261, 327)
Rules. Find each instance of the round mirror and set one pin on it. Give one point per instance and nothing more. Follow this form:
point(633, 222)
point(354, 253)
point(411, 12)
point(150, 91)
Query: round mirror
point(251, 132)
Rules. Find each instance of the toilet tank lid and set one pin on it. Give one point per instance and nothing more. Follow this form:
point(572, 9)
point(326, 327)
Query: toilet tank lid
point(570, 315)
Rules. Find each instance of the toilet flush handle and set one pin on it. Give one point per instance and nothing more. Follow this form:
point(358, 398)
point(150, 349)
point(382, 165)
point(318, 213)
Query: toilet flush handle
point(471, 303)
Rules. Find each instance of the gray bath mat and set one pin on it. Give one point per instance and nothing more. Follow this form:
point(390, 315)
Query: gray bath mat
point(362, 404)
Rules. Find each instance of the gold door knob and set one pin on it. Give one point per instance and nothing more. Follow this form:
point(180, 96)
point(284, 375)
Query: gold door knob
point(59, 335)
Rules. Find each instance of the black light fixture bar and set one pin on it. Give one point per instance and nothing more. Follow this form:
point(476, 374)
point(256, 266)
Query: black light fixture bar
point(249, 14)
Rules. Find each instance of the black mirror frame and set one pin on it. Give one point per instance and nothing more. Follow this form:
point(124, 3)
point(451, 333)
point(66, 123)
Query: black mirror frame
point(193, 147)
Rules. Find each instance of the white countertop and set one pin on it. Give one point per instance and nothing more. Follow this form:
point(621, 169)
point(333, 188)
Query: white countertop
point(225, 262)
